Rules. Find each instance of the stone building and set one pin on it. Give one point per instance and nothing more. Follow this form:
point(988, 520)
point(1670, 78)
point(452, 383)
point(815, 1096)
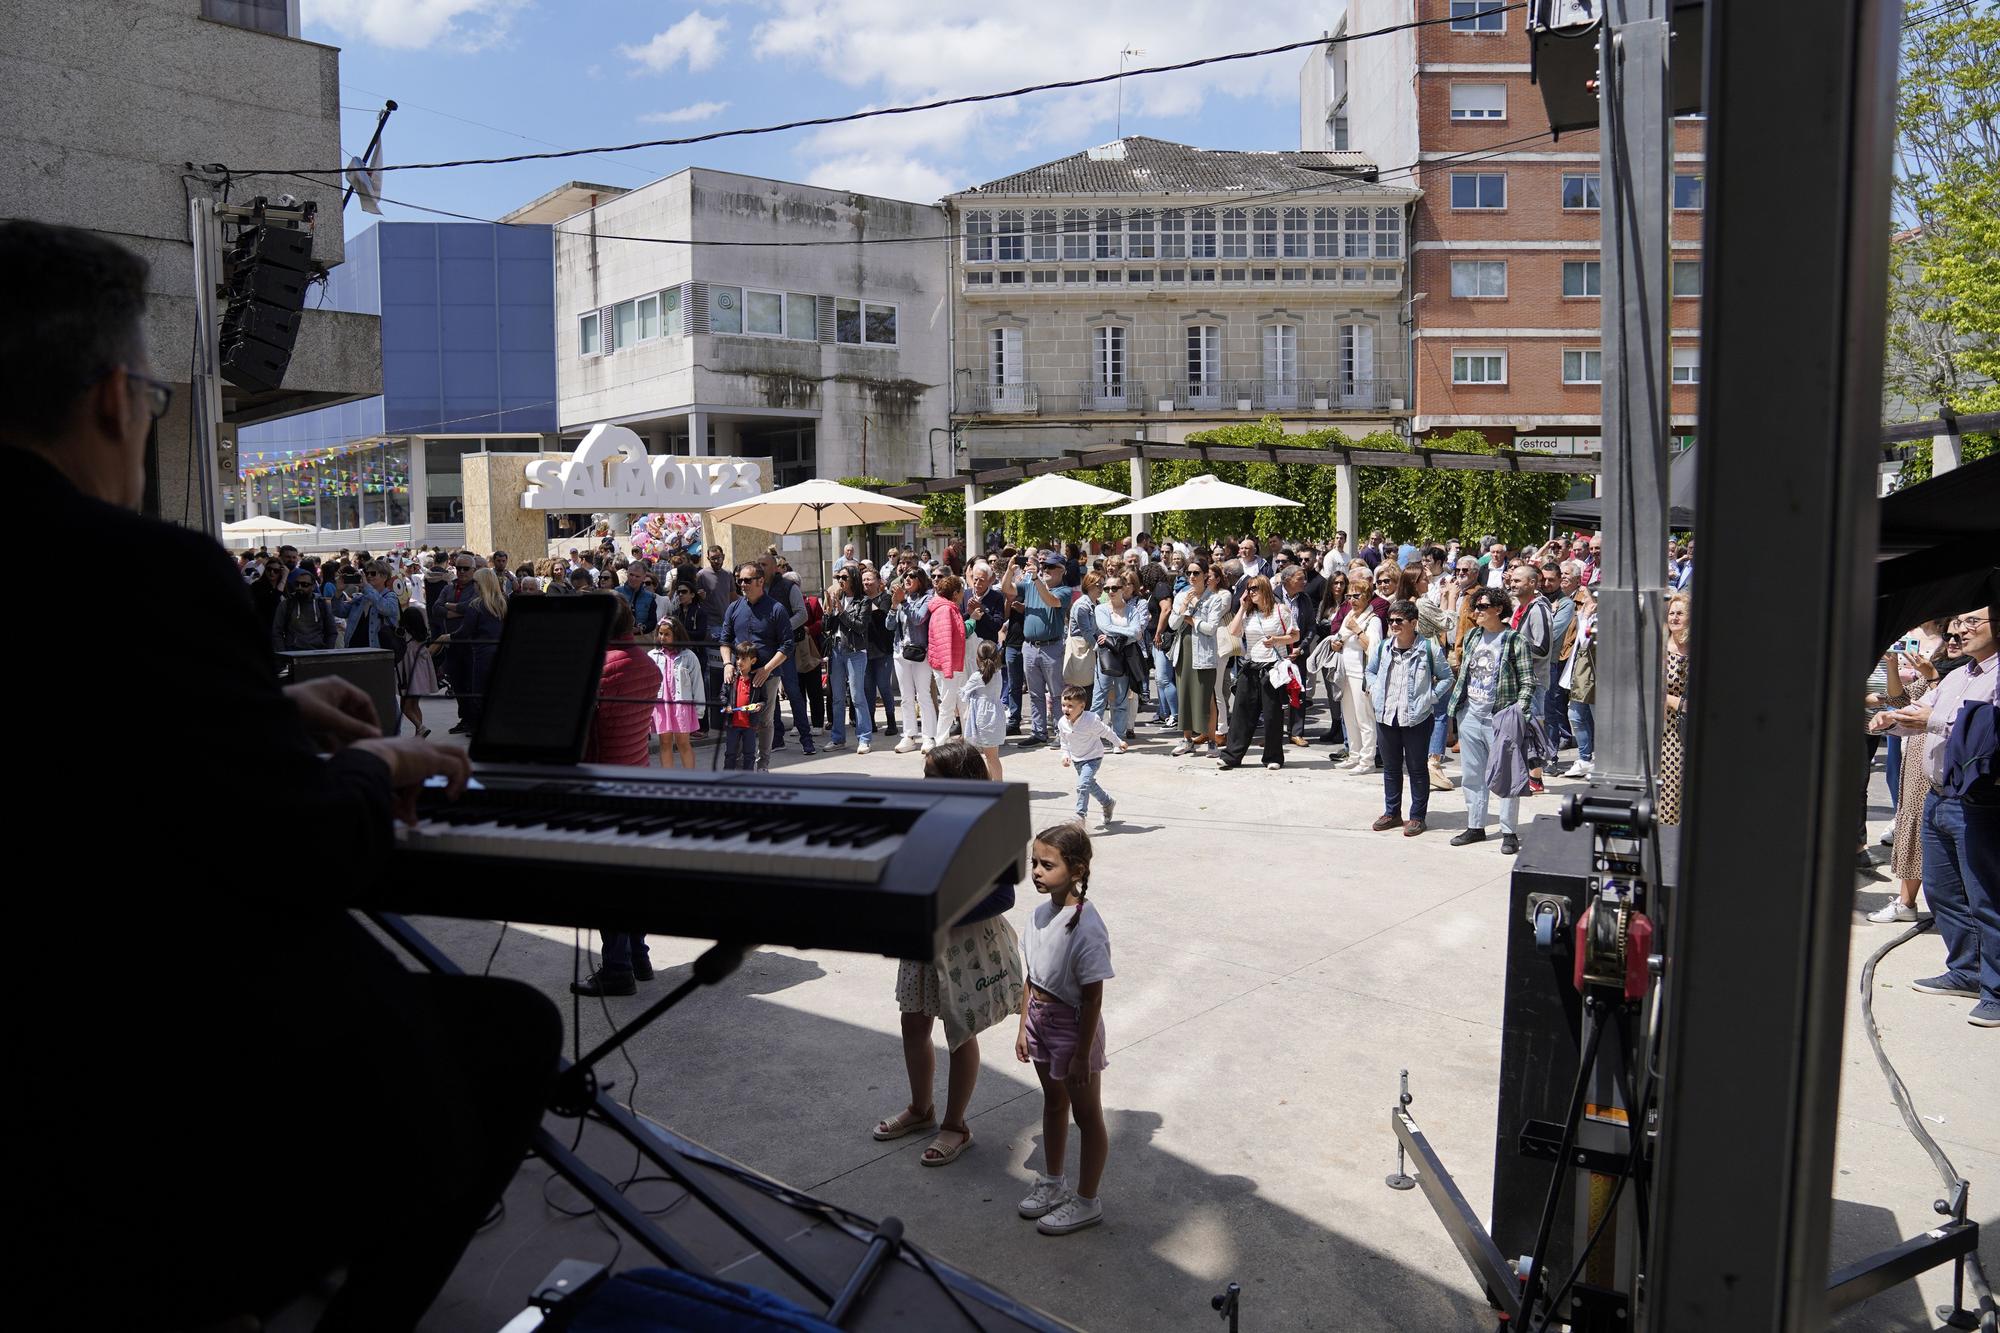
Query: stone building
point(718, 314)
point(1146, 289)
point(106, 102)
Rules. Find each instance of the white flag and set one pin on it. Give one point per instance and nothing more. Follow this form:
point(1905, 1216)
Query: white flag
point(365, 179)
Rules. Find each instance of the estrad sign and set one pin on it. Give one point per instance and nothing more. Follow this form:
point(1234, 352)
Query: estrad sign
point(611, 470)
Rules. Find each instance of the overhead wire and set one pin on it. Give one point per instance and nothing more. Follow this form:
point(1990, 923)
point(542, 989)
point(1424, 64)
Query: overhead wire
point(967, 99)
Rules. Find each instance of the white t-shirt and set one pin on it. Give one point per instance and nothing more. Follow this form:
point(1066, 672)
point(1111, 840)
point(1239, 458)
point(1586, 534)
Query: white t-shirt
point(1063, 961)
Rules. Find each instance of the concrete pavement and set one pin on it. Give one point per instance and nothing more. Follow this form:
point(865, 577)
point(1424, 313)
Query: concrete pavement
point(1277, 965)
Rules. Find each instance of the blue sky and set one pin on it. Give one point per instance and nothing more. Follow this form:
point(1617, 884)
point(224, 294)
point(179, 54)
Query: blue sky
point(534, 74)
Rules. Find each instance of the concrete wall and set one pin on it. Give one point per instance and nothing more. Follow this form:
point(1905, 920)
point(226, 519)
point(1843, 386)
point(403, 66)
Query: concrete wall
point(900, 392)
point(104, 103)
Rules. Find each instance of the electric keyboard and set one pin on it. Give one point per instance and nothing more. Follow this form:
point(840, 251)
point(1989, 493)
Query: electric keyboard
point(876, 866)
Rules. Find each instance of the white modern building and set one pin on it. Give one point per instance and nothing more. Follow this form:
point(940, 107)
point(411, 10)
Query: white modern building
point(721, 314)
point(1147, 289)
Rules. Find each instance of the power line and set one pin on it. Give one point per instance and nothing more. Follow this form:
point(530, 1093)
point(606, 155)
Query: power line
point(1336, 186)
point(476, 124)
point(967, 100)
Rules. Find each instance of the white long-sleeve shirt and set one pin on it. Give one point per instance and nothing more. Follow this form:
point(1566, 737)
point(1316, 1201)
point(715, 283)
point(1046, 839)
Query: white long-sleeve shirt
point(1085, 738)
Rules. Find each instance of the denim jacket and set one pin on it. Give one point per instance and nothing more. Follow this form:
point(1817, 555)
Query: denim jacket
point(1428, 682)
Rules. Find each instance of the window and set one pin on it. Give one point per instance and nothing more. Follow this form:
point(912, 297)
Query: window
point(1109, 275)
point(801, 317)
point(1356, 227)
point(1042, 235)
point(1076, 233)
point(978, 237)
point(1004, 366)
point(764, 312)
point(1479, 189)
point(1687, 365)
point(1173, 275)
point(1583, 277)
point(1351, 273)
point(272, 16)
point(1012, 277)
point(1387, 275)
point(725, 310)
point(1044, 275)
point(1583, 366)
point(1107, 361)
point(1235, 275)
point(1108, 243)
point(1478, 277)
point(1479, 101)
point(670, 304)
point(1326, 233)
point(979, 277)
point(1687, 277)
point(1687, 190)
point(1292, 275)
point(846, 320)
point(1477, 16)
point(1297, 246)
point(1173, 234)
point(1357, 363)
point(1204, 365)
point(586, 335)
point(878, 324)
point(1138, 275)
point(1201, 234)
point(1010, 240)
point(1235, 233)
point(1076, 275)
point(624, 324)
point(1281, 364)
point(1139, 234)
point(1478, 367)
point(1263, 275)
point(1201, 275)
point(1580, 190)
point(1264, 233)
point(1388, 233)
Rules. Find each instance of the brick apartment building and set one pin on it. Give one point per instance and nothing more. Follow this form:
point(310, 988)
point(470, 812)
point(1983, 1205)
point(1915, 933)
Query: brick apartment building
point(1504, 265)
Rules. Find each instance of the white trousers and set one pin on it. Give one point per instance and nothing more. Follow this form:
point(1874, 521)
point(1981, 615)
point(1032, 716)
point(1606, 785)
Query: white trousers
point(1357, 713)
point(913, 684)
point(947, 705)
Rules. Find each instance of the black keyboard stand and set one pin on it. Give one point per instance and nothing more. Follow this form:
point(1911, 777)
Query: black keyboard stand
point(575, 1085)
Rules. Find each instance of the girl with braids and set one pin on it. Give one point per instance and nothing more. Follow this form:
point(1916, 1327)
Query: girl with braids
point(1062, 1028)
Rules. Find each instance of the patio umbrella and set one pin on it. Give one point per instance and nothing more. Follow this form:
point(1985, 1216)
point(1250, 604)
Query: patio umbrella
point(1051, 490)
point(264, 526)
point(1204, 492)
point(815, 506)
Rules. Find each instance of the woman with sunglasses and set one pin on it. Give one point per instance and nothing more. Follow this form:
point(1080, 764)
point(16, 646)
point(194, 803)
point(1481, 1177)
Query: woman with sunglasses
point(1120, 622)
point(1198, 611)
point(1267, 632)
point(1365, 624)
point(1332, 610)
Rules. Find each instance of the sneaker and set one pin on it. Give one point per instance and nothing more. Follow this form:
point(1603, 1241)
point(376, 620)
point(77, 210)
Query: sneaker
point(905, 745)
point(1073, 1214)
point(1946, 984)
point(1049, 1193)
point(862, 748)
point(1110, 812)
point(1535, 787)
point(1509, 845)
point(1582, 768)
point(1274, 767)
point(1055, 742)
point(928, 746)
point(1887, 839)
point(1439, 782)
point(1033, 739)
point(1468, 837)
point(837, 743)
point(1985, 1014)
point(1181, 749)
point(1893, 911)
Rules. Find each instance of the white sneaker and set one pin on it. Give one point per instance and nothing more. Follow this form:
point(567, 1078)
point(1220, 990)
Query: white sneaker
point(905, 745)
point(1894, 910)
point(840, 744)
point(1074, 1214)
point(1580, 769)
point(928, 746)
point(1110, 816)
point(861, 748)
point(1181, 749)
point(1049, 1193)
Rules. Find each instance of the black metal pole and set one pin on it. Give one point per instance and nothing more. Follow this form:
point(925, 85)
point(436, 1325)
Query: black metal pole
point(367, 153)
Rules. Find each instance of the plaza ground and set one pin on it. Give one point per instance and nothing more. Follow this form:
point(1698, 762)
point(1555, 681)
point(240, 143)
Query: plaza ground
point(1278, 964)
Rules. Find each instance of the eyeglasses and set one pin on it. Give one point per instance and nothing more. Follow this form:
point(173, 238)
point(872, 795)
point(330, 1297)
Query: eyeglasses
point(158, 394)
point(1399, 620)
point(1954, 638)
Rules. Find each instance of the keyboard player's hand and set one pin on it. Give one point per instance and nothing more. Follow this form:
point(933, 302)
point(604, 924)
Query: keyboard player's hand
point(336, 712)
point(413, 762)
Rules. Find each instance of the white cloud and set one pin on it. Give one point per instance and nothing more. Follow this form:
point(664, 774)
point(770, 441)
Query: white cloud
point(890, 175)
point(696, 39)
point(685, 115)
point(413, 25)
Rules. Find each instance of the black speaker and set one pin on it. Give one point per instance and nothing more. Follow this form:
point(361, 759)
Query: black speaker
point(373, 669)
point(271, 267)
point(254, 366)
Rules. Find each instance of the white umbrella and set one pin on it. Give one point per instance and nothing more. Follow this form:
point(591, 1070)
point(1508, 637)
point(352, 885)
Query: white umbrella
point(814, 506)
point(263, 526)
point(1051, 490)
point(1204, 492)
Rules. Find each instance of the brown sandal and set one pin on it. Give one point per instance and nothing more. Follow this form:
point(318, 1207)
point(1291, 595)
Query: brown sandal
point(935, 1154)
point(904, 1123)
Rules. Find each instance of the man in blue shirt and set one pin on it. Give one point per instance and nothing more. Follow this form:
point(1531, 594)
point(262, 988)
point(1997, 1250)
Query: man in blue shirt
point(645, 605)
point(1045, 600)
point(763, 620)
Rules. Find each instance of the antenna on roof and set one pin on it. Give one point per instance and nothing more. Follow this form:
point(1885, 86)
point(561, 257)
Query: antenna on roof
point(1128, 51)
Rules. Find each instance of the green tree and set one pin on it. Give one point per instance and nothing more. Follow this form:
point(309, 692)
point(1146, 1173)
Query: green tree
point(1438, 503)
point(1944, 289)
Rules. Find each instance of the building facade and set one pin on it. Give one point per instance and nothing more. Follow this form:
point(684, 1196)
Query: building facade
point(1506, 273)
point(1146, 289)
point(718, 314)
point(467, 312)
point(106, 102)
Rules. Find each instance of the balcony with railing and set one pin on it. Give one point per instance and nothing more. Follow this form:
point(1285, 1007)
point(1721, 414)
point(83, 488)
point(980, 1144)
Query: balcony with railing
point(1112, 396)
point(1002, 399)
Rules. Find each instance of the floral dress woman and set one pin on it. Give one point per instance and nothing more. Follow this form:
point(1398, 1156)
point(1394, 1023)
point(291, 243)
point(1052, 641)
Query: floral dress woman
point(1673, 736)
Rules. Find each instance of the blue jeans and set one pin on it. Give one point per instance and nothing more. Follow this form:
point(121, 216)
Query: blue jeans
point(1475, 742)
point(795, 696)
point(1959, 886)
point(1555, 715)
point(1086, 785)
point(1169, 694)
point(1583, 724)
point(1113, 702)
point(620, 948)
point(1013, 684)
point(1440, 733)
point(741, 747)
point(1893, 767)
point(882, 685)
point(1045, 685)
point(849, 673)
point(1401, 748)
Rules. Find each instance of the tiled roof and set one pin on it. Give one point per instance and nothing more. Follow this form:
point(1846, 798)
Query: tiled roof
point(1141, 165)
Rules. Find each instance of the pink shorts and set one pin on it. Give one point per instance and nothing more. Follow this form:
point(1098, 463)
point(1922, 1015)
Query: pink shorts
point(1053, 1037)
